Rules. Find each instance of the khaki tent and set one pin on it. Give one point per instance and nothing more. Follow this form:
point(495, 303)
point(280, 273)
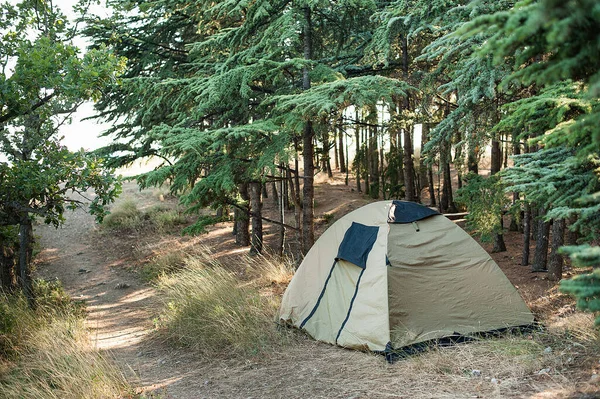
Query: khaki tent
point(395, 273)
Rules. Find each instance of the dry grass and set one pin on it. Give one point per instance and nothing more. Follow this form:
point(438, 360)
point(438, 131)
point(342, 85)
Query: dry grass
point(126, 217)
point(216, 311)
point(58, 361)
point(46, 353)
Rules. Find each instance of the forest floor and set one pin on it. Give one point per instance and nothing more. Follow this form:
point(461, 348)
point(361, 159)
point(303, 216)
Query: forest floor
point(103, 270)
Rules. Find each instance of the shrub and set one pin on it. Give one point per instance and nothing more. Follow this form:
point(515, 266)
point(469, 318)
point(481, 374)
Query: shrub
point(125, 216)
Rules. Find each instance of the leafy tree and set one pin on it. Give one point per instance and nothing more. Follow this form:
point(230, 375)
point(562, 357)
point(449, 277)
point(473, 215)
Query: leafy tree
point(44, 79)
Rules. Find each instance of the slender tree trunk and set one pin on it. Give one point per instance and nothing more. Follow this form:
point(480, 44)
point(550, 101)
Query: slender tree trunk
point(526, 234)
point(325, 161)
point(541, 244)
point(499, 245)
point(409, 167)
point(357, 154)
point(256, 244)
point(308, 191)
point(555, 263)
point(242, 229)
point(367, 160)
point(431, 186)
point(422, 164)
point(341, 155)
point(336, 153)
point(373, 163)
point(473, 157)
point(281, 229)
point(276, 196)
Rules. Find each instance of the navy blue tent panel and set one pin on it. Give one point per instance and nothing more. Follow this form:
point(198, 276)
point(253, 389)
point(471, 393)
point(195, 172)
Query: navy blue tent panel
point(357, 243)
point(408, 212)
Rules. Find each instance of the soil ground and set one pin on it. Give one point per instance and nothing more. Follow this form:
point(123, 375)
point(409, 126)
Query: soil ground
point(102, 270)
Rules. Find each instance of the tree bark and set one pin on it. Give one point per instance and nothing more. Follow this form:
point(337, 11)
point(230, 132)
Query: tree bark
point(422, 164)
point(256, 243)
point(499, 245)
point(373, 163)
point(341, 156)
point(431, 186)
point(25, 248)
point(556, 261)
point(356, 155)
point(541, 245)
point(409, 167)
point(526, 234)
point(308, 191)
point(7, 266)
point(281, 229)
point(242, 236)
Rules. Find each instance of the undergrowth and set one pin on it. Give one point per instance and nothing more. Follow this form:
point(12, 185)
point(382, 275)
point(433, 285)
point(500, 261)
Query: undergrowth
point(45, 353)
point(215, 311)
point(127, 217)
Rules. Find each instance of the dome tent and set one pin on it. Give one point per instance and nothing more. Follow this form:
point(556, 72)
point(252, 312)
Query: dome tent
point(392, 274)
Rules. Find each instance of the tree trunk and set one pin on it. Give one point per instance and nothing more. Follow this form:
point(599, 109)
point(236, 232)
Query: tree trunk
point(526, 234)
point(373, 163)
point(496, 163)
point(541, 244)
point(276, 196)
point(25, 248)
point(281, 229)
point(447, 193)
point(7, 266)
point(336, 152)
point(409, 167)
point(242, 229)
point(555, 263)
point(308, 190)
point(499, 245)
point(341, 156)
point(356, 155)
point(422, 165)
point(256, 244)
point(431, 186)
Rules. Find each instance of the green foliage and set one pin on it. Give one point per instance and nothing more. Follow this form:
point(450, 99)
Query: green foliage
point(49, 80)
point(485, 200)
point(585, 287)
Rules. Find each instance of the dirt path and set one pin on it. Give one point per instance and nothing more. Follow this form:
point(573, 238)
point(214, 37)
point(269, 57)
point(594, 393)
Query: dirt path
point(120, 308)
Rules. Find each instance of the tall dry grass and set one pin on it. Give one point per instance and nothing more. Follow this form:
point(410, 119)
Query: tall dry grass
point(217, 311)
point(46, 354)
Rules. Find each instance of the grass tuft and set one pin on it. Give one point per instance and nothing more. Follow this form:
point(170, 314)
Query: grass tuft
point(213, 311)
point(127, 217)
